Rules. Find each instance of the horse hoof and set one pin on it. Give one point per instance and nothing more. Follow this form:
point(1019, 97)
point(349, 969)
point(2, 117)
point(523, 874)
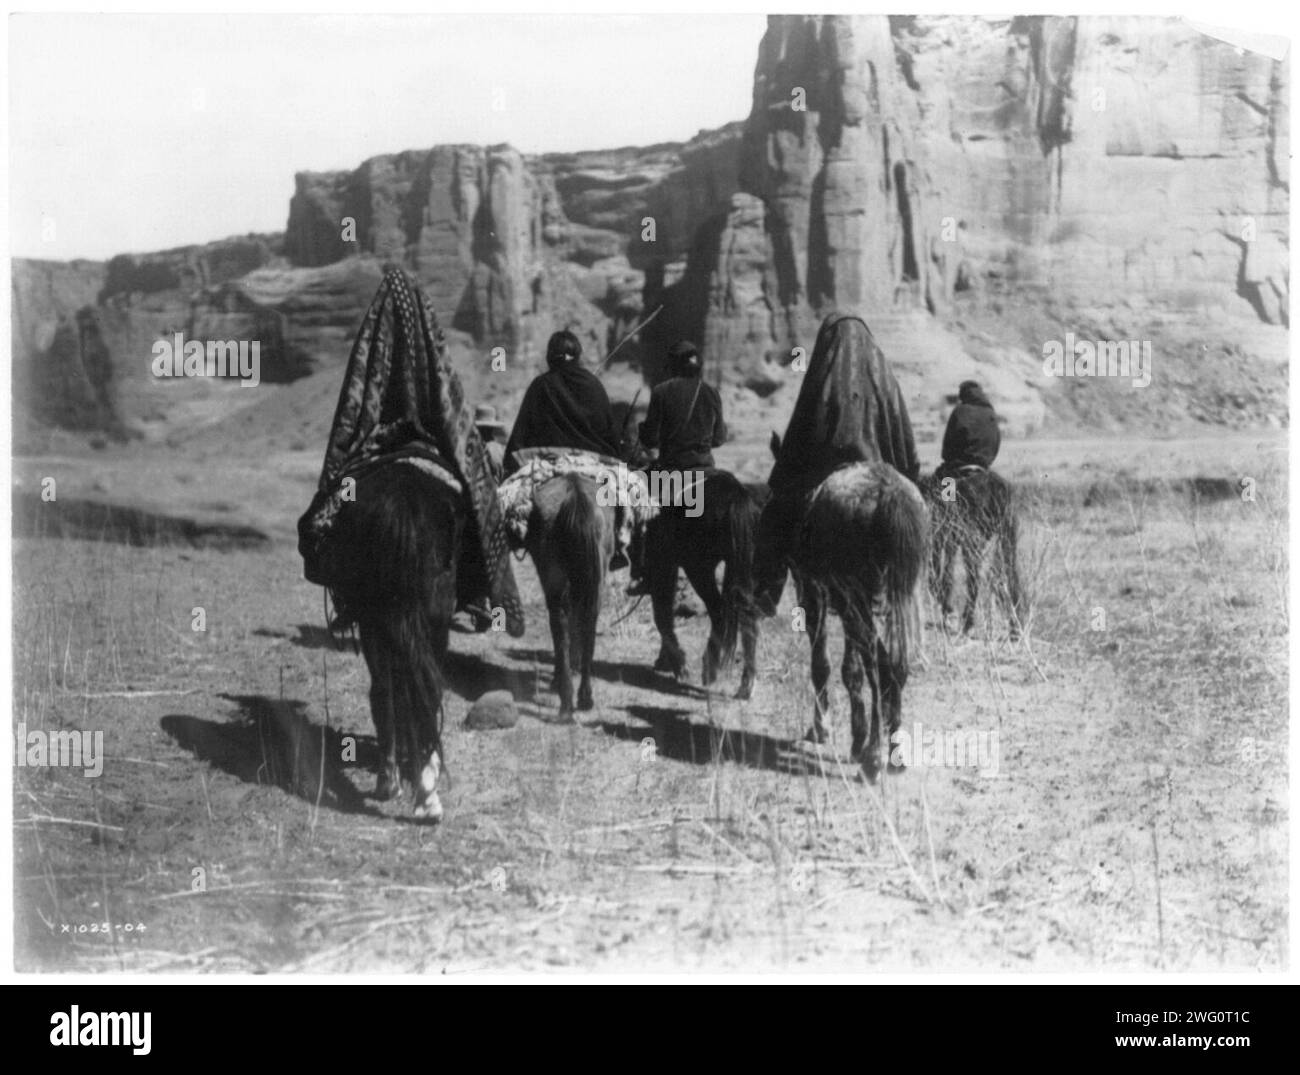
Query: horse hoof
point(428, 807)
point(585, 703)
point(387, 787)
point(744, 692)
point(815, 735)
point(565, 716)
point(671, 666)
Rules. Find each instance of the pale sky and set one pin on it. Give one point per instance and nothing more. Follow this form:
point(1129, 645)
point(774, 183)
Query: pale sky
point(132, 133)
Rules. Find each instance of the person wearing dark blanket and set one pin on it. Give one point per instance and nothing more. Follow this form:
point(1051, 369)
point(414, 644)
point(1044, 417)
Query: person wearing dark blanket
point(684, 420)
point(850, 410)
point(683, 424)
point(565, 407)
point(402, 398)
point(972, 437)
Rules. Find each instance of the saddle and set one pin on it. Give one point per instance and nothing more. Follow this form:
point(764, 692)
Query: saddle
point(538, 465)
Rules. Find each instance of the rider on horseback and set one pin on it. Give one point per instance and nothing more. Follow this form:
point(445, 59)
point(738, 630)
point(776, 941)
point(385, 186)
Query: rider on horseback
point(565, 424)
point(565, 407)
point(972, 438)
point(850, 410)
point(682, 424)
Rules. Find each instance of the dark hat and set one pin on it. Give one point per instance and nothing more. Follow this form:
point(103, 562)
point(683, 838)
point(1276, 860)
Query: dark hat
point(684, 359)
point(563, 347)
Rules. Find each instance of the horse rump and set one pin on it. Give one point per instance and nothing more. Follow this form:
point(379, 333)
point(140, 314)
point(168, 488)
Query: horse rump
point(571, 539)
point(879, 574)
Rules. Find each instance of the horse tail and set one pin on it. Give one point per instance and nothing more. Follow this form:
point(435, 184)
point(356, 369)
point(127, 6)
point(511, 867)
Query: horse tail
point(400, 553)
point(900, 534)
point(412, 637)
point(578, 545)
point(741, 522)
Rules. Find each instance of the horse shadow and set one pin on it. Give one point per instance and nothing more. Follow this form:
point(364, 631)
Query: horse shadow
point(310, 636)
point(677, 737)
point(271, 741)
point(630, 675)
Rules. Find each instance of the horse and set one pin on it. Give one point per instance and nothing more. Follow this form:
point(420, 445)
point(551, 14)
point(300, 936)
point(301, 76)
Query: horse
point(723, 532)
point(391, 559)
point(859, 551)
point(571, 541)
point(970, 509)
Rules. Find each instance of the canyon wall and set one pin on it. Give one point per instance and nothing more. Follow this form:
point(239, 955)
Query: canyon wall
point(941, 175)
point(899, 164)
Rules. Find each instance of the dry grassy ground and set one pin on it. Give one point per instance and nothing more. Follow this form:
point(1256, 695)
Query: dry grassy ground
point(1138, 818)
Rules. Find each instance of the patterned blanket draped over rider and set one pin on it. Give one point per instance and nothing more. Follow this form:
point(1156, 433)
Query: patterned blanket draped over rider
point(401, 397)
point(850, 410)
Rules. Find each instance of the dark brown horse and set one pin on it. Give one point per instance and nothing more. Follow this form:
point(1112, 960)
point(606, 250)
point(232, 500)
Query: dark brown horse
point(860, 552)
point(392, 559)
point(969, 509)
point(721, 533)
point(571, 540)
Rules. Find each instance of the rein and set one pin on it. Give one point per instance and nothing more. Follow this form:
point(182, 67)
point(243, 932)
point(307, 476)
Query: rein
point(629, 612)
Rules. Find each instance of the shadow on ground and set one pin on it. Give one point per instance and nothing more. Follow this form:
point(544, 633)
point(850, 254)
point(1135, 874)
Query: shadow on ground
point(271, 741)
point(677, 737)
point(310, 636)
point(630, 675)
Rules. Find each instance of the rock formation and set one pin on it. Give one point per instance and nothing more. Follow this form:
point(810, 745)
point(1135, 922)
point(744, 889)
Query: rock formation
point(889, 165)
point(966, 183)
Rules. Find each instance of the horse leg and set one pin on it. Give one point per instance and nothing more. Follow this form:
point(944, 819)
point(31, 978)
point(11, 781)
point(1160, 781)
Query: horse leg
point(749, 651)
point(662, 575)
point(860, 662)
point(702, 577)
point(946, 549)
point(937, 577)
point(373, 647)
point(426, 703)
point(1007, 540)
point(560, 627)
point(972, 555)
point(586, 638)
point(893, 678)
point(853, 674)
point(814, 603)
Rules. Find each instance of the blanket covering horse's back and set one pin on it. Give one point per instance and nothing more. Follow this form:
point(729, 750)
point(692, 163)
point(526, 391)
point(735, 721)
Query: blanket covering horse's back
point(627, 489)
point(401, 397)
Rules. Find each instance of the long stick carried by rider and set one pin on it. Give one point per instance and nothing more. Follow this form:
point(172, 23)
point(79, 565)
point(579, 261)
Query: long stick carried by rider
point(605, 361)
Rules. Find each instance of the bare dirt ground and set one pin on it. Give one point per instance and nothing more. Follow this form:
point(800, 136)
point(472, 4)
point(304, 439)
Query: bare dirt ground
point(1137, 820)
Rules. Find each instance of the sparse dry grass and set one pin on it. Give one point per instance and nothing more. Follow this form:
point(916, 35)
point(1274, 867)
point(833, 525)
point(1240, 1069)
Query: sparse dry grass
point(727, 846)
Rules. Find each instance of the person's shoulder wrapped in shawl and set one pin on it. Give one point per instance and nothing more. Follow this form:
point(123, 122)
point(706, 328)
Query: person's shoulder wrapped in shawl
point(401, 396)
point(972, 435)
point(850, 410)
point(565, 407)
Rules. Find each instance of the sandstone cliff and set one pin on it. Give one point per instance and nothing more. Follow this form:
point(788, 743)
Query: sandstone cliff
point(971, 185)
